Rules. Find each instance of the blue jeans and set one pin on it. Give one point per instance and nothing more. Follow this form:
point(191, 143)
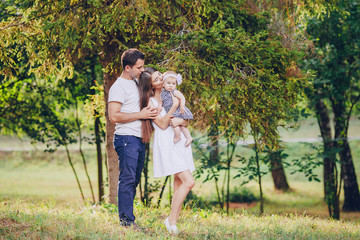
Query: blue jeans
point(131, 153)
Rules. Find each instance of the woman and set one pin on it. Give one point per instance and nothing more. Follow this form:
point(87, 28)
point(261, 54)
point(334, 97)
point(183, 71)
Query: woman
point(169, 158)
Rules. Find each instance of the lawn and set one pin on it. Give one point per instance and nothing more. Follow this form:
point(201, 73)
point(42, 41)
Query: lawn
point(47, 219)
point(39, 199)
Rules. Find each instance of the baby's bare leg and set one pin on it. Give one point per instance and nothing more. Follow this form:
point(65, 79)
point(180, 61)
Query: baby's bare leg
point(187, 135)
point(177, 136)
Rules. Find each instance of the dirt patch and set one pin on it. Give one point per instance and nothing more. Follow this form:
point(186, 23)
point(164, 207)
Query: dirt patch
point(235, 205)
point(11, 225)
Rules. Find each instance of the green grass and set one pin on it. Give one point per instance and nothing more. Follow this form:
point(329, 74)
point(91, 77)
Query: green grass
point(21, 219)
point(39, 199)
point(40, 175)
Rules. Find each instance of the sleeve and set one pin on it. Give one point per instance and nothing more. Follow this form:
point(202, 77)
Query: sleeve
point(117, 93)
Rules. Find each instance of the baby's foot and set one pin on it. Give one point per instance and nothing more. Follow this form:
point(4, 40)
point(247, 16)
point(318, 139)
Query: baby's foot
point(188, 141)
point(176, 139)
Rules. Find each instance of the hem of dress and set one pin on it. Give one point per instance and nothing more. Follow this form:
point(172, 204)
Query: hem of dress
point(159, 176)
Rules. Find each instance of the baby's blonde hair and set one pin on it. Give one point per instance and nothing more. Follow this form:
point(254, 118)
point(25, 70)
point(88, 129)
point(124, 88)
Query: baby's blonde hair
point(169, 72)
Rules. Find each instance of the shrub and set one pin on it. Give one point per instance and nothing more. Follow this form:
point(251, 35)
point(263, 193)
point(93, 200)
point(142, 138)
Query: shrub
point(243, 195)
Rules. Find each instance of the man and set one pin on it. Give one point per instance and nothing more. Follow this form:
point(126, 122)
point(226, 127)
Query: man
point(124, 110)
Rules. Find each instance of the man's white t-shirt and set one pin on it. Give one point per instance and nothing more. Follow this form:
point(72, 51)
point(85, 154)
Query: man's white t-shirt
point(126, 92)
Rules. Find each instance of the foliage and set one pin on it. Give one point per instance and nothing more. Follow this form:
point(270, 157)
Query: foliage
point(237, 71)
point(337, 85)
point(95, 106)
point(249, 168)
point(243, 195)
point(195, 201)
point(337, 64)
point(210, 168)
point(34, 108)
point(238, 80)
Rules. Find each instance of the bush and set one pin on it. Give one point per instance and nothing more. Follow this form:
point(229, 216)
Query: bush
point(194, 201)
point(242, 195)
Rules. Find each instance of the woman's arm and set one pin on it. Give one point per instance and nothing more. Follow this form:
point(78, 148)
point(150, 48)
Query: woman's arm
point(163, 122)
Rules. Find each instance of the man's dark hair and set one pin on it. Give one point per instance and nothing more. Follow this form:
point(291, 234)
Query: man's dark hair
point(130, 56)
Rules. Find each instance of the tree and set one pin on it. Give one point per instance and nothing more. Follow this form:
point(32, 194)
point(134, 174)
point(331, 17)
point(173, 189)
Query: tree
point(58, 36)
point(45, 106)
point(337, 85)
point(277, 170)
point(29, 106)
point(227, 41)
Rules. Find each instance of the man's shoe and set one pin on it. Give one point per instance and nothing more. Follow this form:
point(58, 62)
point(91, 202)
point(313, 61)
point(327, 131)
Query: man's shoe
point(136, 227)
point(133, 226)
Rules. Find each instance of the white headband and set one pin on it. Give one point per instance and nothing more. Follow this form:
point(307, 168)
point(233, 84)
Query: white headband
point(177, 77)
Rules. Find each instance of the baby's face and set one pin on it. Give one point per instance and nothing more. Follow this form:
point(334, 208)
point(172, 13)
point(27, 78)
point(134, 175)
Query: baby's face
point(170, 84)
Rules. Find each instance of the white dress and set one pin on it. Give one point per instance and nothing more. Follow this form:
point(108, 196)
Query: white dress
point(169, 157)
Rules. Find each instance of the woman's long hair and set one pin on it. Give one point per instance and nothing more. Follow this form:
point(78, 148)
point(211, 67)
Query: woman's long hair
point(146, 92)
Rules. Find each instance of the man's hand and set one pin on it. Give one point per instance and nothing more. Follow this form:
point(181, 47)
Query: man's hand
point(149, 113)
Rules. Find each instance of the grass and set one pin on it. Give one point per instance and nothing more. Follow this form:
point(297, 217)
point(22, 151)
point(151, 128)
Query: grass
point(39, 199)
point(22, 219)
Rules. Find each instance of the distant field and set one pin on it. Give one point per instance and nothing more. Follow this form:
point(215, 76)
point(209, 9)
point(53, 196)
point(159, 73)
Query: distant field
point(306, 129)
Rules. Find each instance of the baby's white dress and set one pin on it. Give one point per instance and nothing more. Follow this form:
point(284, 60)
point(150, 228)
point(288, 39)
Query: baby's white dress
point(169, 157)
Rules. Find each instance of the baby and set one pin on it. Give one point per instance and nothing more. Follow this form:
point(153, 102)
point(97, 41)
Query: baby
point(170, 81)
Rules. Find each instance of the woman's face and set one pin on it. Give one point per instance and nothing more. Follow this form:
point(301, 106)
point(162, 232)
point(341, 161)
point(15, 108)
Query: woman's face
point(157, 80)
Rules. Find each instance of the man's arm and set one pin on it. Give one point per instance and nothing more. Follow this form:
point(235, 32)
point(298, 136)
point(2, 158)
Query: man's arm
point(116, 116)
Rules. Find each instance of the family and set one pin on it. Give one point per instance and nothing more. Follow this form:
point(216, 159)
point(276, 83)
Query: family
point(143, 101)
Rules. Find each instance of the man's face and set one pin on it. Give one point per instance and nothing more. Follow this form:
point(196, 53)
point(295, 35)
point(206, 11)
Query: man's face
point(137, 69)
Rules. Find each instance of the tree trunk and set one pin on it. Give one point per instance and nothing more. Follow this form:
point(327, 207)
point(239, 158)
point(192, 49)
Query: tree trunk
point(97, 132)
point(228, 185)
point(145, 195)
point(112, 157)
point(259, 180)
point(213, 137)
point(277, 172)
point(351, 188)
point(74, 171)
point(329, 154)
point(162, 191)
point(82, 153)
point(110, 51)
point(99, 158)
point(331, 189)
